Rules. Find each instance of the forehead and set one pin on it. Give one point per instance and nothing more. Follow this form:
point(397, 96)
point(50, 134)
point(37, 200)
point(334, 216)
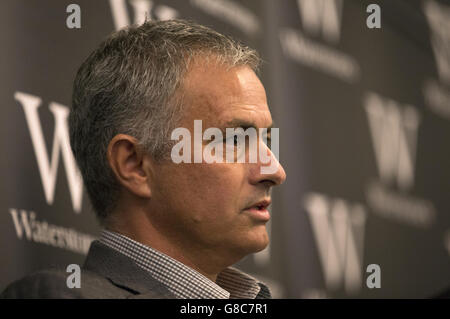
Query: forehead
point(220, 96)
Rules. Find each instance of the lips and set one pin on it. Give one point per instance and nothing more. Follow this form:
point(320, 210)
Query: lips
point(263, 204)
point(259, 210)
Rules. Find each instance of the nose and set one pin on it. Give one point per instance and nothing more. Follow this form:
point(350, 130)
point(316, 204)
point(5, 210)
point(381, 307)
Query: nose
point(271, 172)
point(281, 176)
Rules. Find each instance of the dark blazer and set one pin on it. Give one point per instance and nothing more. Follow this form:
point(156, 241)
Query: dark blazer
point(106, 273)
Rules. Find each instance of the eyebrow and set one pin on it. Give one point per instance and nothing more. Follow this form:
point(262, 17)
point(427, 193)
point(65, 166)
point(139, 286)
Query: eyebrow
point(244, 124)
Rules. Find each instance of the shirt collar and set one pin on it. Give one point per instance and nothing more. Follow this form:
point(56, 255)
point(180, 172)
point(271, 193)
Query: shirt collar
point(183, 281)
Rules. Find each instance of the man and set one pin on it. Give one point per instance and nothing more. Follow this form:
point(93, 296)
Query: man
point(171, 230)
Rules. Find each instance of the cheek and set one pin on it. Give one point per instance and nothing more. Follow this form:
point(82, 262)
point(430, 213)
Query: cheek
point(216, 188)
point(204, 202)
point(205, 192)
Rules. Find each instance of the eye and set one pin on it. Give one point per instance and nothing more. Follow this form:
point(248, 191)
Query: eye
point(234, 140)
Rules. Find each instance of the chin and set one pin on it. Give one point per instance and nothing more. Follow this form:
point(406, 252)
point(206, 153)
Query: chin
point(257, 240)
point(261, 246)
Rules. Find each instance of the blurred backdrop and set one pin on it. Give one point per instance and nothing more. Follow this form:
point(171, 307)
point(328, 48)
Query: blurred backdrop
point(364, 118)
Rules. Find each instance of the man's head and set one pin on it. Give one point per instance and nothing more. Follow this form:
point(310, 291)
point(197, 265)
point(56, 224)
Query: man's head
point(129, 95)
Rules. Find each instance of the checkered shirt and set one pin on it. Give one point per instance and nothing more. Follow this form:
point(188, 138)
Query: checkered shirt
point(183, 281)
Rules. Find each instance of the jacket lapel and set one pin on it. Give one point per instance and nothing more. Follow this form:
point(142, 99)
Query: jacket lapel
point(123, 272)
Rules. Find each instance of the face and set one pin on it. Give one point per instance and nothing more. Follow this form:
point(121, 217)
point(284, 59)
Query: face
point(205, 206)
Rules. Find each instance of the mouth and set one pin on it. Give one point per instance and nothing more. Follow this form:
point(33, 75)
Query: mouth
point(259, 210)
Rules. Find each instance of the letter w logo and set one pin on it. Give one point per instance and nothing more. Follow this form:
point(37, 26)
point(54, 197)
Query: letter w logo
point(61, 143)
point(339, 231)
point(322, 15)
point(438, 17)
point(394, 136)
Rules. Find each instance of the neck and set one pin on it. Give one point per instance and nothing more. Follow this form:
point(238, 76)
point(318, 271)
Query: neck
point(139, 228)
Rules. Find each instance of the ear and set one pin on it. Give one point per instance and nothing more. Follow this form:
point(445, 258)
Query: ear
point(130, 164)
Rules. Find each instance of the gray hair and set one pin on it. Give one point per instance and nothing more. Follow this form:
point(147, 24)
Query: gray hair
point(129, 85)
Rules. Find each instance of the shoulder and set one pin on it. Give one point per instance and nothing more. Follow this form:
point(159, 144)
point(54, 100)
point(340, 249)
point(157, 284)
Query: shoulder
point(53, 284)
point(49, 283)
